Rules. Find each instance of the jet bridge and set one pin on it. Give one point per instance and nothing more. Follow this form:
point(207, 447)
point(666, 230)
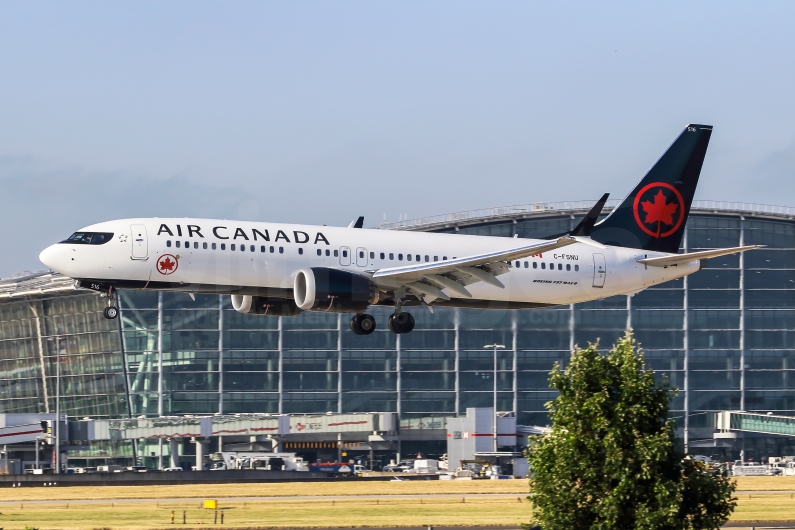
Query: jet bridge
point(729, 421)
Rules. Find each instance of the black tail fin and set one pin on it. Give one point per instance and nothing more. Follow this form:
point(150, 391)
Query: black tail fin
point(653, 215)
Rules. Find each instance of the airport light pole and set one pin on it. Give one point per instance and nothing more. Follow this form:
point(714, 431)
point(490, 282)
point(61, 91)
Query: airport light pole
point(495, 346)
point(57, 430)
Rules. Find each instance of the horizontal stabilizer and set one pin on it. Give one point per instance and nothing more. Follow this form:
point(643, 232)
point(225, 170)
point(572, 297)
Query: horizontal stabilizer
point(676, 259)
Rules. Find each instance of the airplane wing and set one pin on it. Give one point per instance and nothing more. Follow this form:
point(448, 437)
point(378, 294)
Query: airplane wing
point(428, 279)
point(676, 259)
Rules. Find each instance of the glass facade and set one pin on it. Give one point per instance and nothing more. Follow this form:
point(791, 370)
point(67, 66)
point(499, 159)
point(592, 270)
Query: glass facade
point(725, 337)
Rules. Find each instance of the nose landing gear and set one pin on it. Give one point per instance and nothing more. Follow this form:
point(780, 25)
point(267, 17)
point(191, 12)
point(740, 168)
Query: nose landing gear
point(362, 324)
point(111, 311)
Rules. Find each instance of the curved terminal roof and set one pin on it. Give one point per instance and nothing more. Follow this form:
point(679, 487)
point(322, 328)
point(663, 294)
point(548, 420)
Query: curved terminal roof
point(546, 209)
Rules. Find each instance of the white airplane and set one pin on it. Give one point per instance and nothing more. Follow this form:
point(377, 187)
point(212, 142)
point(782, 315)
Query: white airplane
point(282, 269)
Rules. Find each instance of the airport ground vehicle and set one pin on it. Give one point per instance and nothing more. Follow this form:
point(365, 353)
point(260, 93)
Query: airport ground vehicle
point(337, 469)
point(257, 460)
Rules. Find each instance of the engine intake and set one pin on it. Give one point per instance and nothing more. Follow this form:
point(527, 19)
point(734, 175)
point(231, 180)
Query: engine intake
point(332, 290)
point(260, 305)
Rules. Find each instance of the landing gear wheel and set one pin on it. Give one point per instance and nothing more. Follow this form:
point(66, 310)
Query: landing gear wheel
point(367, 324)
point(110, 312)
point(400, 323)
point(362, 324)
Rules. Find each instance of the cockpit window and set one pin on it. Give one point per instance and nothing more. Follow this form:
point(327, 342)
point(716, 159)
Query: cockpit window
point(89, 238)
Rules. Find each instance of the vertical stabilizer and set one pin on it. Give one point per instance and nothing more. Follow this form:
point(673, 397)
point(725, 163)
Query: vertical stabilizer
point(653, 215)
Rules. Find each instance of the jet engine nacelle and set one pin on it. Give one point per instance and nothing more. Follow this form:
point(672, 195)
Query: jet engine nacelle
point(332, 290)
point(259, 305)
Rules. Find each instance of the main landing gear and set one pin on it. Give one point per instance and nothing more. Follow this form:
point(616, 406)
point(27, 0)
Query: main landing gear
point(362, 324)
point(400, 323)
point(111, 311)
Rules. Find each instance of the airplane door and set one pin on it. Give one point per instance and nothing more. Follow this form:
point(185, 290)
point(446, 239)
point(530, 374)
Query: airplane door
point(599, 270)
point(361, 257)
point(345, 256)
point(140, 247)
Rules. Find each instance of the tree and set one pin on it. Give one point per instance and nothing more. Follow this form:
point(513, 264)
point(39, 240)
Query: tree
point(611, 460)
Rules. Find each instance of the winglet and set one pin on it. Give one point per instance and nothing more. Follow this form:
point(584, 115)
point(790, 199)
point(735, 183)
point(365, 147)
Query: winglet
point(358, 223)
point(584, 228)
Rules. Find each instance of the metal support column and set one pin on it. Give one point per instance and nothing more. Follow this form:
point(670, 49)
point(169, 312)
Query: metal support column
point(686, 349)
point(281, 368)
point(457, 361)
point(339, 363)
point(220, 355)
point(742, 314)
point(160, 353)
point(514, 343)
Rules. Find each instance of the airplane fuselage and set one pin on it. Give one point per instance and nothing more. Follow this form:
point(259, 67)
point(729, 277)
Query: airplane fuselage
point(254, 258)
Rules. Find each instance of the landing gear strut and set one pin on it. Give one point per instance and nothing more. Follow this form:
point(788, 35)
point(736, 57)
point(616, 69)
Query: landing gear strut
point(111, 311)
point(362, 324)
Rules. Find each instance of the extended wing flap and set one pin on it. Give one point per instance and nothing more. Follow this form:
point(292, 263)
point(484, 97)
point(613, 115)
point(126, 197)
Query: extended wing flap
point(676, 259)
point(411, 272)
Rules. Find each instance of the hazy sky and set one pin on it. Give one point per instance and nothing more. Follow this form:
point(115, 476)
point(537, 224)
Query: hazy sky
point(317, 112)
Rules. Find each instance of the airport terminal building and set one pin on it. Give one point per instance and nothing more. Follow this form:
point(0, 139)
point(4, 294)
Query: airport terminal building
point(724, 336)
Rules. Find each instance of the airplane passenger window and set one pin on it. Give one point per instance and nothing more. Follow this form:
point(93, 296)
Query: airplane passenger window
point(272, 251)
point(196, 244)
point(444, 258)
point(232, 246)
point(543, 265)
point(177, 243)
point(391, 256)
point(535, 264)
point(568, 266)
point(319, 252)
point(560, 266)
point(382, 255)
point(372, 255)
point(361, 254)
point(168, 243)
point(251, 248)
point(526, 265)
point(300, 250)
point(427, 257)
point(344, 253)
point(187, 244)
point(328, 253)
point(223, 246)
point(418, 257)
point(213, 246)
point(243, 248)
point(336, 253)
point(436, 258)
point(262, 248)
point(204, 246)
point(518, 264)
point(281, 250)
point(576, 268)
point(400, 257)
point(408, 257)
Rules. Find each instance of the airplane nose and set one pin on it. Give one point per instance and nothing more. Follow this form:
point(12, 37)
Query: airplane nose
point(49, 256)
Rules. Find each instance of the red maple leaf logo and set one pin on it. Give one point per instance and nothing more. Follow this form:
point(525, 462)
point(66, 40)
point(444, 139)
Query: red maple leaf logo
point(167, 264)
point(659, 211)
